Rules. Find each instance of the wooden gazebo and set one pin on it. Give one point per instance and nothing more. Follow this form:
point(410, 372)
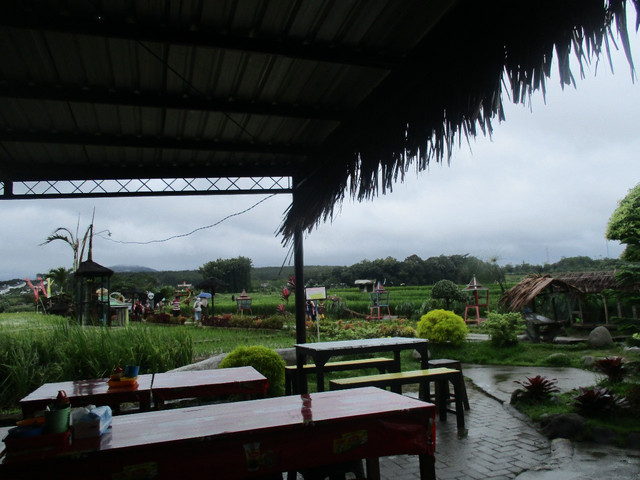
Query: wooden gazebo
point(317, 99)
point(92, 294)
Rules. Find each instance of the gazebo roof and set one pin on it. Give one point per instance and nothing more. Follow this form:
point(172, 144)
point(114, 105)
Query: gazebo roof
point(323, 98)
point(89, 268)
point(522, 294)
point(593, 282)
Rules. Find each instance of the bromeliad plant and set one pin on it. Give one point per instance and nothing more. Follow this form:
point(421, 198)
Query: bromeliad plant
point(613, 367)
point(597, 402)
point(537, 388)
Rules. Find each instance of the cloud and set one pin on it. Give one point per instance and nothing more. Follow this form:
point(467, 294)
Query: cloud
point(541, 188)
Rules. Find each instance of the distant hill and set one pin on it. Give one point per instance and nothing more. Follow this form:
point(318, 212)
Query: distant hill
point(132, 268)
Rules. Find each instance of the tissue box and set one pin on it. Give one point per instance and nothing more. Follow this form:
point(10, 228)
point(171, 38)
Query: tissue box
point(90, 422)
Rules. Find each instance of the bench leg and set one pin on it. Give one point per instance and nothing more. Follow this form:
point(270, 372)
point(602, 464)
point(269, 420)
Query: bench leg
point(458, 385)
point(465, 398)
point(288, 382)
point(425, 391)
point(373, 468)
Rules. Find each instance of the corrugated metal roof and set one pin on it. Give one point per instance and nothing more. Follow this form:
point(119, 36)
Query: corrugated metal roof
point(331, 93)
point(153, 84)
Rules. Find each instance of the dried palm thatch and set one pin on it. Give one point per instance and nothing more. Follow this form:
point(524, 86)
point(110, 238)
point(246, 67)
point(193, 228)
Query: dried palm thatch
point(525, 292)
point(457, 77)
point(591, 282)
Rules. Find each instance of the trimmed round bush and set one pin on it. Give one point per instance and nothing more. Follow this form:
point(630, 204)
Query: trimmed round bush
point(558, 360)
point(264, 360)
point(443, 326)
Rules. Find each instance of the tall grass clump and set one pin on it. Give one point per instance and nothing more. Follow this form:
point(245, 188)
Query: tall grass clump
point(29, 358)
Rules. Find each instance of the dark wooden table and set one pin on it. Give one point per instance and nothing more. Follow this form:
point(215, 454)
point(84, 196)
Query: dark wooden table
point(321, 352)
point(250, 439)
point(89, 392)
point(207, 383)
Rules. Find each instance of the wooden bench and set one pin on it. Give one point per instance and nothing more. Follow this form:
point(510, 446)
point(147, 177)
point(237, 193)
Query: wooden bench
point(440, 376)
point(383, 364)
point(456, 365)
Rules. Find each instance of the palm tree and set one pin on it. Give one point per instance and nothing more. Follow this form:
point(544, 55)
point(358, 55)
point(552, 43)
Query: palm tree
point(60, 277)
point(78, 246)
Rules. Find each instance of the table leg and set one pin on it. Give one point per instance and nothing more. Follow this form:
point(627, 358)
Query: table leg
point(424, 357)
point(427, 467)
point(300, 379)
point(442, 388)
point(320, 377)
point(396, 361)
point(373, 468)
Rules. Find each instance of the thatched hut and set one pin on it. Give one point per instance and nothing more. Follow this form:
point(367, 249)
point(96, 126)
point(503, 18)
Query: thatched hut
point(542, 294)
point(539, 292)
point(600, 284)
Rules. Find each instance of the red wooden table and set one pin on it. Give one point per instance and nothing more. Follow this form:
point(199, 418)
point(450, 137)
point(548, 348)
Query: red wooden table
point(321, 352)
point(250, 439)
point(89, 392)
point(207, 383)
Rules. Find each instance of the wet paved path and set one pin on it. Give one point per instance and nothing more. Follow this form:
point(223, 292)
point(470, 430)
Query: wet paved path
point(498, 446)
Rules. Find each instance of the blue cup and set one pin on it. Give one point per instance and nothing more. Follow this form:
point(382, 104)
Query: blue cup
point(131, 371)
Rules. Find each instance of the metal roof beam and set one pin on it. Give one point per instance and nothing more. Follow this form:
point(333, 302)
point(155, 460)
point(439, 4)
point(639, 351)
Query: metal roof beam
point(190, 35)
point(194, 103)
point(87, 171)
point(131, 141)
point(145, 186)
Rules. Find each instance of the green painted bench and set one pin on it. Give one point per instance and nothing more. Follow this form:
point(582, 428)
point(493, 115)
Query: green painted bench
point(440, 376)
point(383, 364)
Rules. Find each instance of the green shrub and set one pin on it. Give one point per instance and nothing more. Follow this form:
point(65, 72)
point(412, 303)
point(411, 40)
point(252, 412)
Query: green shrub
point(448, 291)
point(442, 326)
point(263, 359)
point(558, 360)
point(503, 328)
point(404, 309)
point(273, 322)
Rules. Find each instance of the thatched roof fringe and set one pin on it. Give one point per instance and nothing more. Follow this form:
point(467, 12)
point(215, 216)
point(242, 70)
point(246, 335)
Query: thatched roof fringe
point(524, 293)
point(457, 90)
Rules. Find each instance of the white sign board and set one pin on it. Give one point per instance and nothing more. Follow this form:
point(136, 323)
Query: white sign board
point(316, 293)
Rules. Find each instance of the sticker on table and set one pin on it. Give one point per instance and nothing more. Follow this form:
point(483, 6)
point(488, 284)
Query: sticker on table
point(140, 470)
point(349, 441)
point(255, 459)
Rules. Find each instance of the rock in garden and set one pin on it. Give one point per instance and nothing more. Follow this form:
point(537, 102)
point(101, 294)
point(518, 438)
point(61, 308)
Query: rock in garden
point(588, 361)
point(603, 436)
point(567, 425)
point(633, 440)
point(288, 355)
point(600, 337)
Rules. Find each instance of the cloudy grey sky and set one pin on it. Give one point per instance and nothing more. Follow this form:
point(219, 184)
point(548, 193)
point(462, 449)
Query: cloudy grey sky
point(542, 188)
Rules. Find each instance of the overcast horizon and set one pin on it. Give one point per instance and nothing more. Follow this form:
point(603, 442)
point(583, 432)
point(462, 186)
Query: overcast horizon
point(541, 189)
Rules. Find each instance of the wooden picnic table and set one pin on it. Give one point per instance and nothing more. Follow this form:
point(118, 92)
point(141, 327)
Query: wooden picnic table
point(207, 383)
point(321, 352)
point(248, 439)
point(89, 392)
point(159, 386)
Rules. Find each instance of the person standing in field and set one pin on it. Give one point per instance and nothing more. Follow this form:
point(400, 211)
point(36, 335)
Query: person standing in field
point(197, 309)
